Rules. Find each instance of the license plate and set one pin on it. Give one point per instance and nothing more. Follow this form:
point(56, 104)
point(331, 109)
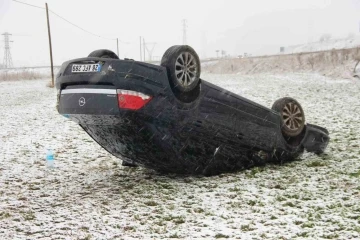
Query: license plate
point(79, 68)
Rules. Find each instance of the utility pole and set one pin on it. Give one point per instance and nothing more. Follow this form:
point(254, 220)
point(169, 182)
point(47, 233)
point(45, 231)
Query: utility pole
point(117, 46)
point(7, 54)
point(217, 53)
point(203, 44)
point(140, 50)
point(184, 31)
point(49, 34)
point(144, 49)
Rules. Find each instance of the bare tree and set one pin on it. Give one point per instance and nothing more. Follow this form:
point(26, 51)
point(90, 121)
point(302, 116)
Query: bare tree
point(357, 58)
point(358, 61)
point(357, 54)
point(298, 57)
point(334, 57)
point(311, 61)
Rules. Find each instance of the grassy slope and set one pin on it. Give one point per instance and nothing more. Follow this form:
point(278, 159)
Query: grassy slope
point(333, 63)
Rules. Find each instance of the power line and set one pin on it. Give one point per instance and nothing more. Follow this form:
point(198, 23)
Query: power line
point(29, 4)
point(80, 27)
point(77, 26)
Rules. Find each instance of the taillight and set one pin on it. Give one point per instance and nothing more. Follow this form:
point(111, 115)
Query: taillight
point(128, 99)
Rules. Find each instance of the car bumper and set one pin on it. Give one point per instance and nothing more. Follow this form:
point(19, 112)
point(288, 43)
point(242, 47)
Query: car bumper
point(316, 139)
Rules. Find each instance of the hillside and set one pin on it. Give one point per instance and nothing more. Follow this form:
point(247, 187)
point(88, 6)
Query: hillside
point(333, 63)
point(325, 44)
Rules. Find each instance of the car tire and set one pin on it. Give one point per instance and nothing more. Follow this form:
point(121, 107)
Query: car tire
point(292, 116)
point(103, 53)
point(183, 67)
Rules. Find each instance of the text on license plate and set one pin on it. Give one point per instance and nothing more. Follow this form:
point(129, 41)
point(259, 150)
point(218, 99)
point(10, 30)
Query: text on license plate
point(86, 68)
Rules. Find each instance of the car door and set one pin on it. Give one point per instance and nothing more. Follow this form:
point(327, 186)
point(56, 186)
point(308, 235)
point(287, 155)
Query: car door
point(248, 123)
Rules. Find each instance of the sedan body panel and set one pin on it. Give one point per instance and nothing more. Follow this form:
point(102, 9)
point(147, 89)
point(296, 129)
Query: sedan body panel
point(217, 132)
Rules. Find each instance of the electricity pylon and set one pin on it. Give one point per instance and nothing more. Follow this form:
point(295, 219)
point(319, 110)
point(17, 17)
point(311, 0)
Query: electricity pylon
point(7, 54)
point(149, 50)
point(184, 31)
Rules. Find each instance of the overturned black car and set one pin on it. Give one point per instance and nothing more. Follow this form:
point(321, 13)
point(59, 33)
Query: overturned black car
point(169, 119)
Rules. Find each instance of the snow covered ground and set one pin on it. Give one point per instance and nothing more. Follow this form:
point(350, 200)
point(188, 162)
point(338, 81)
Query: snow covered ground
point(89, 195)
point(333, 43)
point(38, 70)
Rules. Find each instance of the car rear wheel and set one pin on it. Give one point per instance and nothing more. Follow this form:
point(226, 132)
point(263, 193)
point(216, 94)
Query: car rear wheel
point(183, 67)
point(103, 53)
point(292, 116)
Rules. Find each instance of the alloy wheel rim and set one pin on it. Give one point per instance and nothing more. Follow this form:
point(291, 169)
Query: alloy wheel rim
point(292, 116)
point(185, 69)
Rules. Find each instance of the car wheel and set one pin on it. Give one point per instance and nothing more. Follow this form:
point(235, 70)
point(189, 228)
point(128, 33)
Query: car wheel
point(292, 116)
point(103, 53)
point(183, 67)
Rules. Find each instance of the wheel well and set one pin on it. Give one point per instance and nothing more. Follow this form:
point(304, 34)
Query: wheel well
point(294, 141)
point(186, 97)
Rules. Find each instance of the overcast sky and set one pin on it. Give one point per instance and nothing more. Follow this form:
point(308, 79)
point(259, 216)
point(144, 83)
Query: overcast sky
point(235, 26)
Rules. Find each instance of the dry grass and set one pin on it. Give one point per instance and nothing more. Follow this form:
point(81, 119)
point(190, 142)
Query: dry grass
point(333, 63)
point(357, 54)
point(25, 74)
point(49, 84)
